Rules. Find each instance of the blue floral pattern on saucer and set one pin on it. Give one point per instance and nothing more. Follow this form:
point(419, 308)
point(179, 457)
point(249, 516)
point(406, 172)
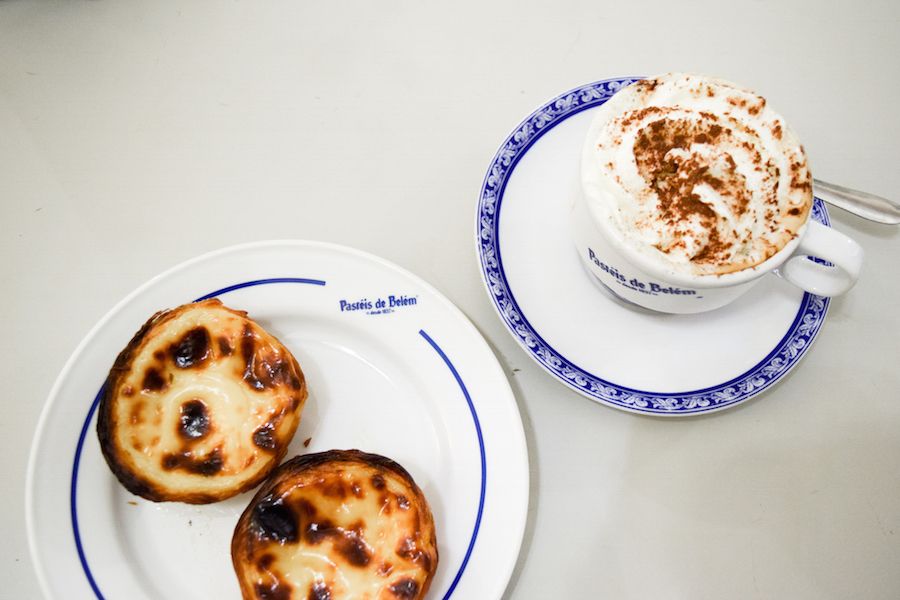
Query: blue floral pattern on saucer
point(775, 365)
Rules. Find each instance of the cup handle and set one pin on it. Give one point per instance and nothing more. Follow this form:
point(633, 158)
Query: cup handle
point(825, 243)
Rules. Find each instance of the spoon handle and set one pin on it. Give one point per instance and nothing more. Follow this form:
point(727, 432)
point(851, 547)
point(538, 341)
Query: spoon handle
point(867, 206)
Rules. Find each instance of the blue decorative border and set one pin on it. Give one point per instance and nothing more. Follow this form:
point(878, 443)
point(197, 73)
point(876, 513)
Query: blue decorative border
point(73, 507)
point(775, 365)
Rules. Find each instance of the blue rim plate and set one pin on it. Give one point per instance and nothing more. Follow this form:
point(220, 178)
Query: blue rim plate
point(785, 352)
point(393, 368)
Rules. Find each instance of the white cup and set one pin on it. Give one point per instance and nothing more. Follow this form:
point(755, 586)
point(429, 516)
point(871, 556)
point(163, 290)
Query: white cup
point(637, 278)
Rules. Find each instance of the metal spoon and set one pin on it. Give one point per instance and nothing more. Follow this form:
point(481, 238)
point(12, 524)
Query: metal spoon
point(868, 206)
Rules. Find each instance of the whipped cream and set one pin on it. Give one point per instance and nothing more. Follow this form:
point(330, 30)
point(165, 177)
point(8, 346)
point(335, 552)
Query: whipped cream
point(697, 173)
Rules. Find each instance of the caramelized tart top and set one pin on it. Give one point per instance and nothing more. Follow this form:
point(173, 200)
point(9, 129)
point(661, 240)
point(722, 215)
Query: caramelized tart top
point(337, 524)
point(201, 405)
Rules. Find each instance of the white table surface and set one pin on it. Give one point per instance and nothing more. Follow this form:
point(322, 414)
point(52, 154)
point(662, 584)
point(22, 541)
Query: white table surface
point(135, 135)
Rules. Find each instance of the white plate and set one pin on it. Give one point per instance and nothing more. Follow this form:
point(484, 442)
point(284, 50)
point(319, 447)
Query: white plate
point(580, 333)
point(414, 382)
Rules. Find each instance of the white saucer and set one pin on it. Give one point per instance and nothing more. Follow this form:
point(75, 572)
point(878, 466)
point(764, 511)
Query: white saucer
point(410, 379)
point(620, 355)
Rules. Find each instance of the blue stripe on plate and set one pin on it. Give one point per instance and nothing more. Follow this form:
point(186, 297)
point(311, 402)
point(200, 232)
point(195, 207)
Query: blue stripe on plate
point(246, 284)
point(72, 504)
point(462, 386)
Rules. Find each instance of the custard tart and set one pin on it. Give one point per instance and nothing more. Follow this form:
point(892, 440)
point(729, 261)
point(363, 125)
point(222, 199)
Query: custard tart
point(341, 524)
point(200, 405)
